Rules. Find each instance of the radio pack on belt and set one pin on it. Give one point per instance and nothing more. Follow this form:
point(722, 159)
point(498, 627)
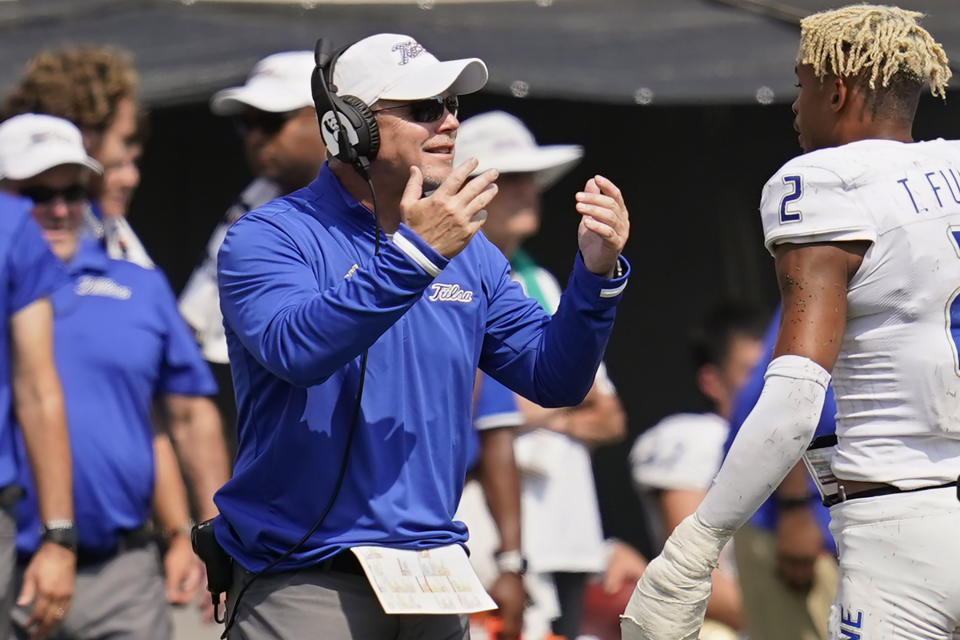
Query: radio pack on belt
point(218, 562)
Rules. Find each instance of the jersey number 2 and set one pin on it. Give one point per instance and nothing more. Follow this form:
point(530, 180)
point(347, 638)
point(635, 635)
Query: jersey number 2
point(953, 307)
point(785, 215)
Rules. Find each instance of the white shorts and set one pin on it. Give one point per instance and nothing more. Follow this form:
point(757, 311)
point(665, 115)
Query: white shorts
point(899, 567)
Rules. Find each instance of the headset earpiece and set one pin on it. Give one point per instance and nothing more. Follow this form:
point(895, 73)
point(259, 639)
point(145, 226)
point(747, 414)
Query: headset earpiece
point(347, 125)
point(368, 132)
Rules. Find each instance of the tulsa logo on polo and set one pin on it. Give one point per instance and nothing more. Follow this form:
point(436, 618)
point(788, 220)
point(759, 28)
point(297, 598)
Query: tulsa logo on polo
point(105, 287)
point(450, 293)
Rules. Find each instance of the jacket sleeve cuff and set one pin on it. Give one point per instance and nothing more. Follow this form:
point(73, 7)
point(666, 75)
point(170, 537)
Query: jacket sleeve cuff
point(418, 251)
point(598, 290)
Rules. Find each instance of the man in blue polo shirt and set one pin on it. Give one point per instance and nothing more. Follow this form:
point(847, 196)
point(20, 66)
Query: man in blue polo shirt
point(119, 341)
point(29, 386)
point(96, 88)
point(320, 307)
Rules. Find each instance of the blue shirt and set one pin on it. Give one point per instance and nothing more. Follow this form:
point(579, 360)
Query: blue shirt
point(119, 341)
point(766, 515)
point(303, 296)
point(494, 407)
point(29, 271)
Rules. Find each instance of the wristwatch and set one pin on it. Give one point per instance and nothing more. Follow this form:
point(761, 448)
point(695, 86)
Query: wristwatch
point(61, 532)
point(511, 561)
point(790, 503)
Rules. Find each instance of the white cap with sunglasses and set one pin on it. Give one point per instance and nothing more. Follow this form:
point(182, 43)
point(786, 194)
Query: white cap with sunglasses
point(390, 66)
point(277, 84)
point(33, 143)
point(501, 141)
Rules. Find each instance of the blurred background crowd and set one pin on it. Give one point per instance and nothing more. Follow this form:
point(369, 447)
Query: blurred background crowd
point(194, 112)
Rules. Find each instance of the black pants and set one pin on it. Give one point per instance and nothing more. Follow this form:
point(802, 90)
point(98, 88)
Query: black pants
point(570, 590)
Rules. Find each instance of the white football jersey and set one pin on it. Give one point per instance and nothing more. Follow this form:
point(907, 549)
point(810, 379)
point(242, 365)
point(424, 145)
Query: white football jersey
point(897, 377)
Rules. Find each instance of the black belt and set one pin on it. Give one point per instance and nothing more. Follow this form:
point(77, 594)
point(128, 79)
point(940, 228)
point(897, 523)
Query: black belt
point(10, 495)
point(127, 540)
point(888, 489)
point(343, 562)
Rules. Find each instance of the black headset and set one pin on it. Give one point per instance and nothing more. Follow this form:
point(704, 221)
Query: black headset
point(347, 125)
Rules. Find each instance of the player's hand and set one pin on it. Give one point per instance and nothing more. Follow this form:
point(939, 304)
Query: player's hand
point(670, 600)
point(48, 587)
point(449, 217)
point(799, 544)
point(510, 597)
point(604, 225)
point(182, 570)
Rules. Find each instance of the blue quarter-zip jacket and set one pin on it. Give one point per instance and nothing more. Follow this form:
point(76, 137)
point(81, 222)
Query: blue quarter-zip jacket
point(303, 295)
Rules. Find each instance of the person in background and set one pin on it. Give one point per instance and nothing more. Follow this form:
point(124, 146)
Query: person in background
point(31, 395)
point(118, 342)
point(552, 448)
point(95, 88)
point(785, 554)
point(490, 507)
point(674, 461)
point(274, 117)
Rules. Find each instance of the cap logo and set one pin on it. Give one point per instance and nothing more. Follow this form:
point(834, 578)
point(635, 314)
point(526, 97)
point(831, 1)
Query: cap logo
point(44, 136)
point(408, 50)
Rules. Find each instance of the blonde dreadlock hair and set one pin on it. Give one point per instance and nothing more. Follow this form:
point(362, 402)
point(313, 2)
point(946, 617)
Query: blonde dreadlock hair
point(880, 40)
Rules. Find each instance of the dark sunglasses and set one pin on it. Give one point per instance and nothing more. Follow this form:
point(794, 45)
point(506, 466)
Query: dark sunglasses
point(428, 110)
point(45, 195)
point(268, 122)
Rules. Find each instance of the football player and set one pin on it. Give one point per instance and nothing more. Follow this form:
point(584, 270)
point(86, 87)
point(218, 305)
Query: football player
point(865, 230)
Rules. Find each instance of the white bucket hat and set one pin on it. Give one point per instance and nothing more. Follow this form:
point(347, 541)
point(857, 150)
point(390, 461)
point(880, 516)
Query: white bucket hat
point(500, 141)
point(278, 83)
point(391, 66)
point(31, 143)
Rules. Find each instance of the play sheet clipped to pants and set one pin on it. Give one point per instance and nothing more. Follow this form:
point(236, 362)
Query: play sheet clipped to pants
point(438, 580)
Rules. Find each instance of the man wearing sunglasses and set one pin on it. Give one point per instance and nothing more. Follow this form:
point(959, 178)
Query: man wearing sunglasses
point(119, 342)
point(354, 355)
point(274, 117)
point(31, 392)
point(96, 88)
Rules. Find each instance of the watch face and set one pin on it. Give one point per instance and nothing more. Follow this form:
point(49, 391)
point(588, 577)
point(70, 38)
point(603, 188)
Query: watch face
point(511, 562)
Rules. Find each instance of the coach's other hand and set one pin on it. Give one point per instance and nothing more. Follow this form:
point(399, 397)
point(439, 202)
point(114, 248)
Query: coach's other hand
point(450, 216)
point(604, 225)
point(670, 599)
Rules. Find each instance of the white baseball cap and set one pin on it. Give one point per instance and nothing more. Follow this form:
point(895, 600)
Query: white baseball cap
point(391, 66)
point(500, 141)
point(32, 143)
point(278, 83)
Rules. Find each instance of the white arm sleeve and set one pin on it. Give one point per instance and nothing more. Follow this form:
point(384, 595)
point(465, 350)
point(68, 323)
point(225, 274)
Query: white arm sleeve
point(670, 599)
point(770, 442)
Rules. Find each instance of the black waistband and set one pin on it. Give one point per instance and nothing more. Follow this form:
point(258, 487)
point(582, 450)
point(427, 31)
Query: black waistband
point(344, 562)
point(10, 495)
point(127, 540)
point(890, 490)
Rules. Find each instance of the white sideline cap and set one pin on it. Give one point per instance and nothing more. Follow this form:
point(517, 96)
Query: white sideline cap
point(278, 83)
point(31, 143)
point(391, 66)
point(500, 141)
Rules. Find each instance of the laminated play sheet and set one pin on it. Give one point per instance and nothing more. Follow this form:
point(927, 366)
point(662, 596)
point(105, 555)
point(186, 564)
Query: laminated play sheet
point(439, 580)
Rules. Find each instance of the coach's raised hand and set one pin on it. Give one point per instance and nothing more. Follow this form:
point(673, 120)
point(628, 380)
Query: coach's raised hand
point(449, 217)
point(604, 225)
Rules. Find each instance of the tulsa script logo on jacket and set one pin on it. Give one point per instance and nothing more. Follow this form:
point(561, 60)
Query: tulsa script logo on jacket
point(450, 293)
